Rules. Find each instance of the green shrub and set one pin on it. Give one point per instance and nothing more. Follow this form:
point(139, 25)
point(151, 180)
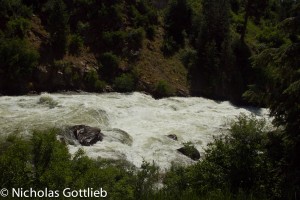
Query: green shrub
point(150, 32)
point(163, 89)
point(272, 38)
point(14, 8)
point(99, 85)
point(18, 27)
point(169, 46)
point(51, 160)
point(110, 65)
point(115, 39)
point(238, 161)
point(188, 57)
point(61, 65)
point(44, 162)
point(125, 83)
point(91, 77)
point(83, 27)
point(136, 37)
point(75, 44)
point(146, 179)
point(92, 81)
point(17, 58)
point(14, 158)
point(58, 26)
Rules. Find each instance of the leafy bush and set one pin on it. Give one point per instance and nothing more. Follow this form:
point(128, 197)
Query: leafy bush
point(188, 57)
point(272, 38)
point(58, 26)
point(110, 65)
point(136, 37)
point(150, 32)
point(163, 89)
point(18, 27)
point(115, 39)
point(146, 179)
point(176, 24)
point(14, 8)
point(235, 164)
point(240, 159)
point(14, 156)
point(75, 44)
point(169, 46)
point(83, 27)
point(93, 82)
point(125, 83)
point(17, 58)
point(44, 162)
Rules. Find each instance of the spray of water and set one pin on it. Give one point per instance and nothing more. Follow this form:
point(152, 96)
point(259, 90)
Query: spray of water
point(135, 125)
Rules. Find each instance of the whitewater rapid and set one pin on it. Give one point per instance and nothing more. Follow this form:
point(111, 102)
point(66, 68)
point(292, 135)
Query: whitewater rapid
point(135, 125)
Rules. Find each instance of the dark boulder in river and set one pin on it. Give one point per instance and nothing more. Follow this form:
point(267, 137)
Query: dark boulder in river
point(172, 136)
point(190, 151)
point(86, 135)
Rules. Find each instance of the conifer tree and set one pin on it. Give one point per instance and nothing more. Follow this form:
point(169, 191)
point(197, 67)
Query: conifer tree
point(58, 26)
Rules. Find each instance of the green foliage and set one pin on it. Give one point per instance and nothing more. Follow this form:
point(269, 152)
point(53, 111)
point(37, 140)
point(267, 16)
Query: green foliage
point(236, 165)
point(279, 90)
point(75, 44)
point(211, 71)
point(14, 163)
point(44, 162)
point(51, 161)
point(143, 15)
point(115, 39)
point(272, 38)
point(18, 27)
point(125, 83)
point(163, 89)
point(58, 26)
point(93, 82)
point(188, 57)
point(146, 178)
point(136, 37)
point(17, 58)
point(150, 32)
point(14, 9)
point(242, 158)
point(169, 46)
point(176, 24)
point(110, 65)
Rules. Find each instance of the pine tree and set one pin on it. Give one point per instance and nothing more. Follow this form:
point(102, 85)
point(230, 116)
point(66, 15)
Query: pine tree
point(212, 46)
point(280, 91)
point(58, 26)
point(178, 19)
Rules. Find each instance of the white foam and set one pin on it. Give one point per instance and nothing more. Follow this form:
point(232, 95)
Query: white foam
point(145, 119)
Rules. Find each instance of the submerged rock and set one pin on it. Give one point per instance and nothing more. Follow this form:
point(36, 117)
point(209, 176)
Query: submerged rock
point(190, 151)
point(86, 135)
point(172, 136)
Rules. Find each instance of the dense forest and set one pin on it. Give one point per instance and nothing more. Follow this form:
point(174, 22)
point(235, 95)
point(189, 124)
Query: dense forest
point(245, 51)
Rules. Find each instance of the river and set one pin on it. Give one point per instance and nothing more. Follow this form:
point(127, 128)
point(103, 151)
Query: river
point(135, 125)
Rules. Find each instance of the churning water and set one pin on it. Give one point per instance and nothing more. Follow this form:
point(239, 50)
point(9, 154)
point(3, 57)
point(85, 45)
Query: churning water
point(135, 125)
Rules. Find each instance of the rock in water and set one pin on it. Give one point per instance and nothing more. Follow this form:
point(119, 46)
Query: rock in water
point(190, 151)
point(87, 135)
point(172, 136)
